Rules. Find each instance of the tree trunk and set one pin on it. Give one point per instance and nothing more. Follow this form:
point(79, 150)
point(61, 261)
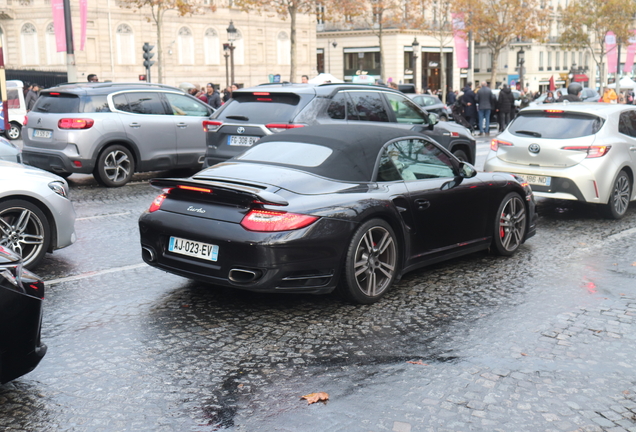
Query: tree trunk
point(292, 70)
point(494, 66)
point(159, 21)
point(382, 67)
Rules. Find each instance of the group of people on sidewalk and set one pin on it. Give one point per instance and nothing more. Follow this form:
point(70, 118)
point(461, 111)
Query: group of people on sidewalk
point(211, 96)
point(474, 109)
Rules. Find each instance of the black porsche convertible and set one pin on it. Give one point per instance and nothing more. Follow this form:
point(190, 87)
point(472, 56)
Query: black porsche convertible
point(346, 207)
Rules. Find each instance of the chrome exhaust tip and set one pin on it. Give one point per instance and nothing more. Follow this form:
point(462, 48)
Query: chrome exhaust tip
point(243, 276)
point(148, 254)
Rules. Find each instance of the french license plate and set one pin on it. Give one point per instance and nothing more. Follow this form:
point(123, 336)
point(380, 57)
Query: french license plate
point(41, 133)
point(240, 140)
point(537, 180)
point(193, 248)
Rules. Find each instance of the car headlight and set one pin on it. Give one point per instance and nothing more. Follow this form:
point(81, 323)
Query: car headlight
point(59, 188)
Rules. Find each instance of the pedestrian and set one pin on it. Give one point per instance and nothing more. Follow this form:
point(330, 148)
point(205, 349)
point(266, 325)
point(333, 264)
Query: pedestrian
point(213, 97)
point(574, 92)
point(505, 106)
point(609, 96)
point(227, 94)
point(451, 97)
point(393, 85)
point(549, 98)
point(92, 78)
point(32, 96)
point(304, 79)
point(470, 108)
point(484, 104)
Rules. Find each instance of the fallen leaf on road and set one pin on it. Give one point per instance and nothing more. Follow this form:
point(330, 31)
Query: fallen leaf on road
point(524, 354)
point(316, 397)
point(419, 362)
point(634, 264)
point(626, 392)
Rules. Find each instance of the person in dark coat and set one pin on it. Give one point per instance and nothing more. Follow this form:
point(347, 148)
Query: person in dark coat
point(32, 96)
point(213, 97)
point(470, 105)
point(484, 105)
point(451, 97)
point(505, 106)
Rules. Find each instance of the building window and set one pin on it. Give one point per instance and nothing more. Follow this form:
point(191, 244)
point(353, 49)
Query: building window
point(283, 45)
point(549, 60)
point(30, 51)
point(125, 40)
point(52, 56)
point(557, 60)
point(239, 49)
point(185, 46)
point(211, 47)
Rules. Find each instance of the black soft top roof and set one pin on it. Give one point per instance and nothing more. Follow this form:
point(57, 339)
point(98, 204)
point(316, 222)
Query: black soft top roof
point(355, 148)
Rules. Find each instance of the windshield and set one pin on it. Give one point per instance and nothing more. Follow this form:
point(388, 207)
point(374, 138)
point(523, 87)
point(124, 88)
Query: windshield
point(555, 124)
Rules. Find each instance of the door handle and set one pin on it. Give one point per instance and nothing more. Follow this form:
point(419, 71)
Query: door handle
point(632, 148)
point(422, 204)
point(134, 125)
point(182, 125)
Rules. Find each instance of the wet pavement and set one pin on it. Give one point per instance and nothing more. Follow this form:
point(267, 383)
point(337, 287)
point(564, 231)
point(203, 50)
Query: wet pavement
point(541, 341)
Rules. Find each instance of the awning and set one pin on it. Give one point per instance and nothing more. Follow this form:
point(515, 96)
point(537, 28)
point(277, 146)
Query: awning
point(581, 78)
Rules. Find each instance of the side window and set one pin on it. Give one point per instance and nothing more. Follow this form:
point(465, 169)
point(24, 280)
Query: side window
point(185, 106)
point(143, 103)
point(94, 104)
point(405, 110)
point(627, 123)
point(417, 159)
point(337, 107)
point(121, 103)
point(369, 106)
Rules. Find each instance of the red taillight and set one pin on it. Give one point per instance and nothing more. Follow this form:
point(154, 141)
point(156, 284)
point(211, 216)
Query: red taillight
point(280, 127)
point(54, 94)
point(75, 123)
point(454, 134)
point(271, 221)
point(156, 204)
point(260, 94)
point(26, 120)
point(554, 111)
point(592, 151)
point(194, 188)
point(495, 144)
point(77, 163)
point(211, 126)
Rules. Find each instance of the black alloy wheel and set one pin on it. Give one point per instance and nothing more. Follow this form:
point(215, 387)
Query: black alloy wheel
point(371, 264)
point(620, 195)
point(24, 229)
point(115, 166)
point(509, 225)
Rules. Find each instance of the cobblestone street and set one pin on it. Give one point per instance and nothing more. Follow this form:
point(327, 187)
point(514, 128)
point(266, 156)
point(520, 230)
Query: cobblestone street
point(541, 341)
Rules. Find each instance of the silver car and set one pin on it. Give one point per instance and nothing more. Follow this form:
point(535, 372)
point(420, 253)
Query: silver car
point(572, 151)
point(9, 151)
point(113, 130)
point(36, 215)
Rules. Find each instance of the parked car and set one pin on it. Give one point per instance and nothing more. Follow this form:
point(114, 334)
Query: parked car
point(36, 215)
point(9, 151)
point(589, 95)
point(21, 296)
point(264, 110)
point(16, 107)
point(433, 104)
point(577, 151)
point(320, 207)
point(113, 130)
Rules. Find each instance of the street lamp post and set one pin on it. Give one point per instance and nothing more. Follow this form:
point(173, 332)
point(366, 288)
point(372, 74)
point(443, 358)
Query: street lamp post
point(335, 44)
point(231, 37)
point(521, 59)
point(416, 48)
point(226, 54)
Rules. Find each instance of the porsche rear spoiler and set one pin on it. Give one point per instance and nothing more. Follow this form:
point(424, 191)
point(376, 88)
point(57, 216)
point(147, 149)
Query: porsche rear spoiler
point(253, 193)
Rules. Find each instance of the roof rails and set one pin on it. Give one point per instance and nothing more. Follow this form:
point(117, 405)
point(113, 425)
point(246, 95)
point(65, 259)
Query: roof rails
point(117, 84)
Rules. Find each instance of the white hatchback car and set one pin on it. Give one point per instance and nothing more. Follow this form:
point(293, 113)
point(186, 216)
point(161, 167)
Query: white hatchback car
point(572, 151)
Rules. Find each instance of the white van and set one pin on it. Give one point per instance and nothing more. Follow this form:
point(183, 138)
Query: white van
point(17, 109)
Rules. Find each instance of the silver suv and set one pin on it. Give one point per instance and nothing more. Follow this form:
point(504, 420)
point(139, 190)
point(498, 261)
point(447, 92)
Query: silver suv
point(113, 130)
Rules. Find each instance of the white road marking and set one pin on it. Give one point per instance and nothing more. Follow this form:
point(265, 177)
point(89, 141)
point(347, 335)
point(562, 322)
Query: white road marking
point(94, 273)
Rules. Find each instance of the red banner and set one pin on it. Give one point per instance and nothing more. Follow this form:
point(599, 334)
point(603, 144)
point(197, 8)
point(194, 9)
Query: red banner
point(58, 25)
point(612, 53)
point(459, 36)
point(631, 49)
point(83, 14)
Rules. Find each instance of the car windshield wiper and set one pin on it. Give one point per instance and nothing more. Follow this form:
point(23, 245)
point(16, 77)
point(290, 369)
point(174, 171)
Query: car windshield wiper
point(532, 133)
point(237, 117)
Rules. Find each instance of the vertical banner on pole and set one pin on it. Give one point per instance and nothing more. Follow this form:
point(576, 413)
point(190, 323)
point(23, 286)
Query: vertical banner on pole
point(612, 53)
point(58, 25)
point(83, 18)
point(631, 50)
point(459, 36)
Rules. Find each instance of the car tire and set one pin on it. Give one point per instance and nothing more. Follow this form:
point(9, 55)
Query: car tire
point(14, 131)
point(24, 229)
point(461, 155)
point(509, 225)
point(620, 195)
point(115, 166)
point(371, 263)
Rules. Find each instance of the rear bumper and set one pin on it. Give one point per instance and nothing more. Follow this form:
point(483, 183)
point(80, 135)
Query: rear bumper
point(308, 260)
point(56, 162)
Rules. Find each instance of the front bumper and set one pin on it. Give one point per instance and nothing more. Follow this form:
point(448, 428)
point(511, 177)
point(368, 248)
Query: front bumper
point(307, 260)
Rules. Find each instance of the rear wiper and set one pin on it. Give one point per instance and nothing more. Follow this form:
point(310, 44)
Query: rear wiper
point(532, 133)
point(237, 118)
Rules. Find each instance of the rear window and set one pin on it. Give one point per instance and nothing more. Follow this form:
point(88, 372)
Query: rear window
point(288, 153)
point(57, 103)
point(555, 125)
point(261, 107)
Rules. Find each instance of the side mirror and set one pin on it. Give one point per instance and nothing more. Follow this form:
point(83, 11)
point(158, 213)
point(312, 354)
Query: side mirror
point(466, 170)
point(433, 119)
